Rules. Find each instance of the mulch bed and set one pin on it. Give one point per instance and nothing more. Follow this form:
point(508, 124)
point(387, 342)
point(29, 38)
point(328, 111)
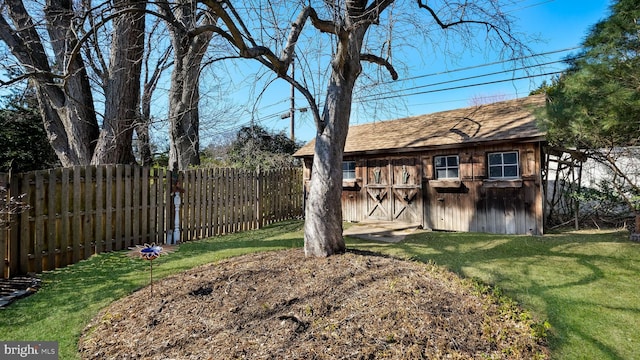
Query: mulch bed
point(281, 305)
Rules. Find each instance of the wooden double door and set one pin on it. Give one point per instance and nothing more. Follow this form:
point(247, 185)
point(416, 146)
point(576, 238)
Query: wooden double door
point(394, 190)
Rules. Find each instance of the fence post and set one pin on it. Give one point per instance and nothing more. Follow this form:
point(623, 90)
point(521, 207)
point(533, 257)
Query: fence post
point(176, 190)
point(259, 212)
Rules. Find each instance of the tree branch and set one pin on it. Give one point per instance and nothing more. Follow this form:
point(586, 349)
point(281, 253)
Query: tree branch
point(382, 62)
point(444, 25)
point(237, 33)
point(325, 26)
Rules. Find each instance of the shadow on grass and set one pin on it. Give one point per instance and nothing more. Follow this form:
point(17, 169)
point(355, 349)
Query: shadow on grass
point(585, 285)
point(582, 283)
point(71, 296)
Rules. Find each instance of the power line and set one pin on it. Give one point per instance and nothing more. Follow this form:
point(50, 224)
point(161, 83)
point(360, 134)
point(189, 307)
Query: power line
point(396, 94)
point(529, 6)
point(469, 85)
point(483, 65)
point(362, 98)
point(450, 72)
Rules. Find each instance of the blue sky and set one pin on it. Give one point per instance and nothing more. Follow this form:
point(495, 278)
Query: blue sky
point(429, 84)
point(425, 87)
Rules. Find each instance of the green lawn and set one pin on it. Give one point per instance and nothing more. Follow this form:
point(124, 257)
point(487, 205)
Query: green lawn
point(584, 284)
point(70, 297)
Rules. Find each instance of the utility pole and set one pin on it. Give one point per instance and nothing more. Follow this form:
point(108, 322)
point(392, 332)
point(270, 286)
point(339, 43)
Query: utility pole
point(293, 109)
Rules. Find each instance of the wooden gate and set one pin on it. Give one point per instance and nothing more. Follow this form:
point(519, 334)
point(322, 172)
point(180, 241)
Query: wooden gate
point(394, 190)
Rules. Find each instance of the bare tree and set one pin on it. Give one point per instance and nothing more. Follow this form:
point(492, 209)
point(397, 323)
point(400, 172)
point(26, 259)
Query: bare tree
point(121, 83)
point(190, 39)
point(348, 23)
point(64, 95)
point(152, 74)
point(63, 87)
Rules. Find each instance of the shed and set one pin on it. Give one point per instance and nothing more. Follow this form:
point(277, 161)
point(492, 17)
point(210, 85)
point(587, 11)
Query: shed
point(472, 169)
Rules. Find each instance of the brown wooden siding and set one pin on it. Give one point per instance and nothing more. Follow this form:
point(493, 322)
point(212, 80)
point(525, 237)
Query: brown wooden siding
point(483, 205)
point(404, 189)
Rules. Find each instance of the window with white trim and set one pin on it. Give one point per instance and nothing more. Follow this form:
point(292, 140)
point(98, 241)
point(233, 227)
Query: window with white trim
point(446, 167)
point(504, 165)
point(348, 170)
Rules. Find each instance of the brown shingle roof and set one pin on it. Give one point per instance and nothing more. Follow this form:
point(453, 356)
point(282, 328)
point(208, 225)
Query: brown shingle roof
point(506, 120)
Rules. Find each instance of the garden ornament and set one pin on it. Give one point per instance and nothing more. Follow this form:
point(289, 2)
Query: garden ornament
point(150, 252)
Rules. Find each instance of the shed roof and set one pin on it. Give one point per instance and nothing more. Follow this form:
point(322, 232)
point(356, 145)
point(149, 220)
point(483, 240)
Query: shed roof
point(502, 121)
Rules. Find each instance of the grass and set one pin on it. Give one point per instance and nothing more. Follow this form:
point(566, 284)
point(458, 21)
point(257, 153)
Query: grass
point(70, 297)
point(584, 284)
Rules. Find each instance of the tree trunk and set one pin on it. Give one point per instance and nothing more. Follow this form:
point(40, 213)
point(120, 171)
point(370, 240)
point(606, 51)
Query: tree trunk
point(323, 213)
point(67, 107)
point(184, 96)
point(122, 86)
point(144, 141)
point(150, 84)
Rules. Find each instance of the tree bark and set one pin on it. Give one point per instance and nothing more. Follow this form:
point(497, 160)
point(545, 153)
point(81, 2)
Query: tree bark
point(122, 85)
point(66, 105)
point(184, 96)
point(323, 212)
point(144, 142)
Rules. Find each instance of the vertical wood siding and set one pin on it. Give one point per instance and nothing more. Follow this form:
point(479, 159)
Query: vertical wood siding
point(473, 203)
point(486, 206)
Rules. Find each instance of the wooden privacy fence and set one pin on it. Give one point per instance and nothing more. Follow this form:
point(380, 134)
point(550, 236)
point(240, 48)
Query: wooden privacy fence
point(73, 213)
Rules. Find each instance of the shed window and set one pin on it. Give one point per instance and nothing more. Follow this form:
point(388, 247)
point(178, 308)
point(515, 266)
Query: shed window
point(504, 165)
point(348, 170)
point(447, 167)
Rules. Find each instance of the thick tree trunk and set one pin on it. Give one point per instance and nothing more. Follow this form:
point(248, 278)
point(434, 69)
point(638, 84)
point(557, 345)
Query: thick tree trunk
point(144, 142)
point(122, 86)
point(67, 107)
point(71, 129)
point(323, 213)
point(184, 99)
point(184, 96)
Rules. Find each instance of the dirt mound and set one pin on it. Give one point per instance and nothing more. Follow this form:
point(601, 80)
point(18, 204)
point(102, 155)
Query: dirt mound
point(281, 305)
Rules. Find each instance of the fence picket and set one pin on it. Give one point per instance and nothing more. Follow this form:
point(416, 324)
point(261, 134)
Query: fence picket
point(144, 207)
point(198, 205)
point(164, 181)
point(119, 210)
point(76, 212)
point(167, 202)
point(76, 224)
point(135, 207)
point(99, 211)
point(215, 201)
point(108, 204)
point(159, 214)
point(38, 236)
point(88, 214)
point(153, 203)
point(127, 207)
point(65, 245)
point(51, 218)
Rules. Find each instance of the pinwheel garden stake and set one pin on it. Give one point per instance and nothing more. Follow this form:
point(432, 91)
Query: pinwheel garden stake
point(150, 252)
